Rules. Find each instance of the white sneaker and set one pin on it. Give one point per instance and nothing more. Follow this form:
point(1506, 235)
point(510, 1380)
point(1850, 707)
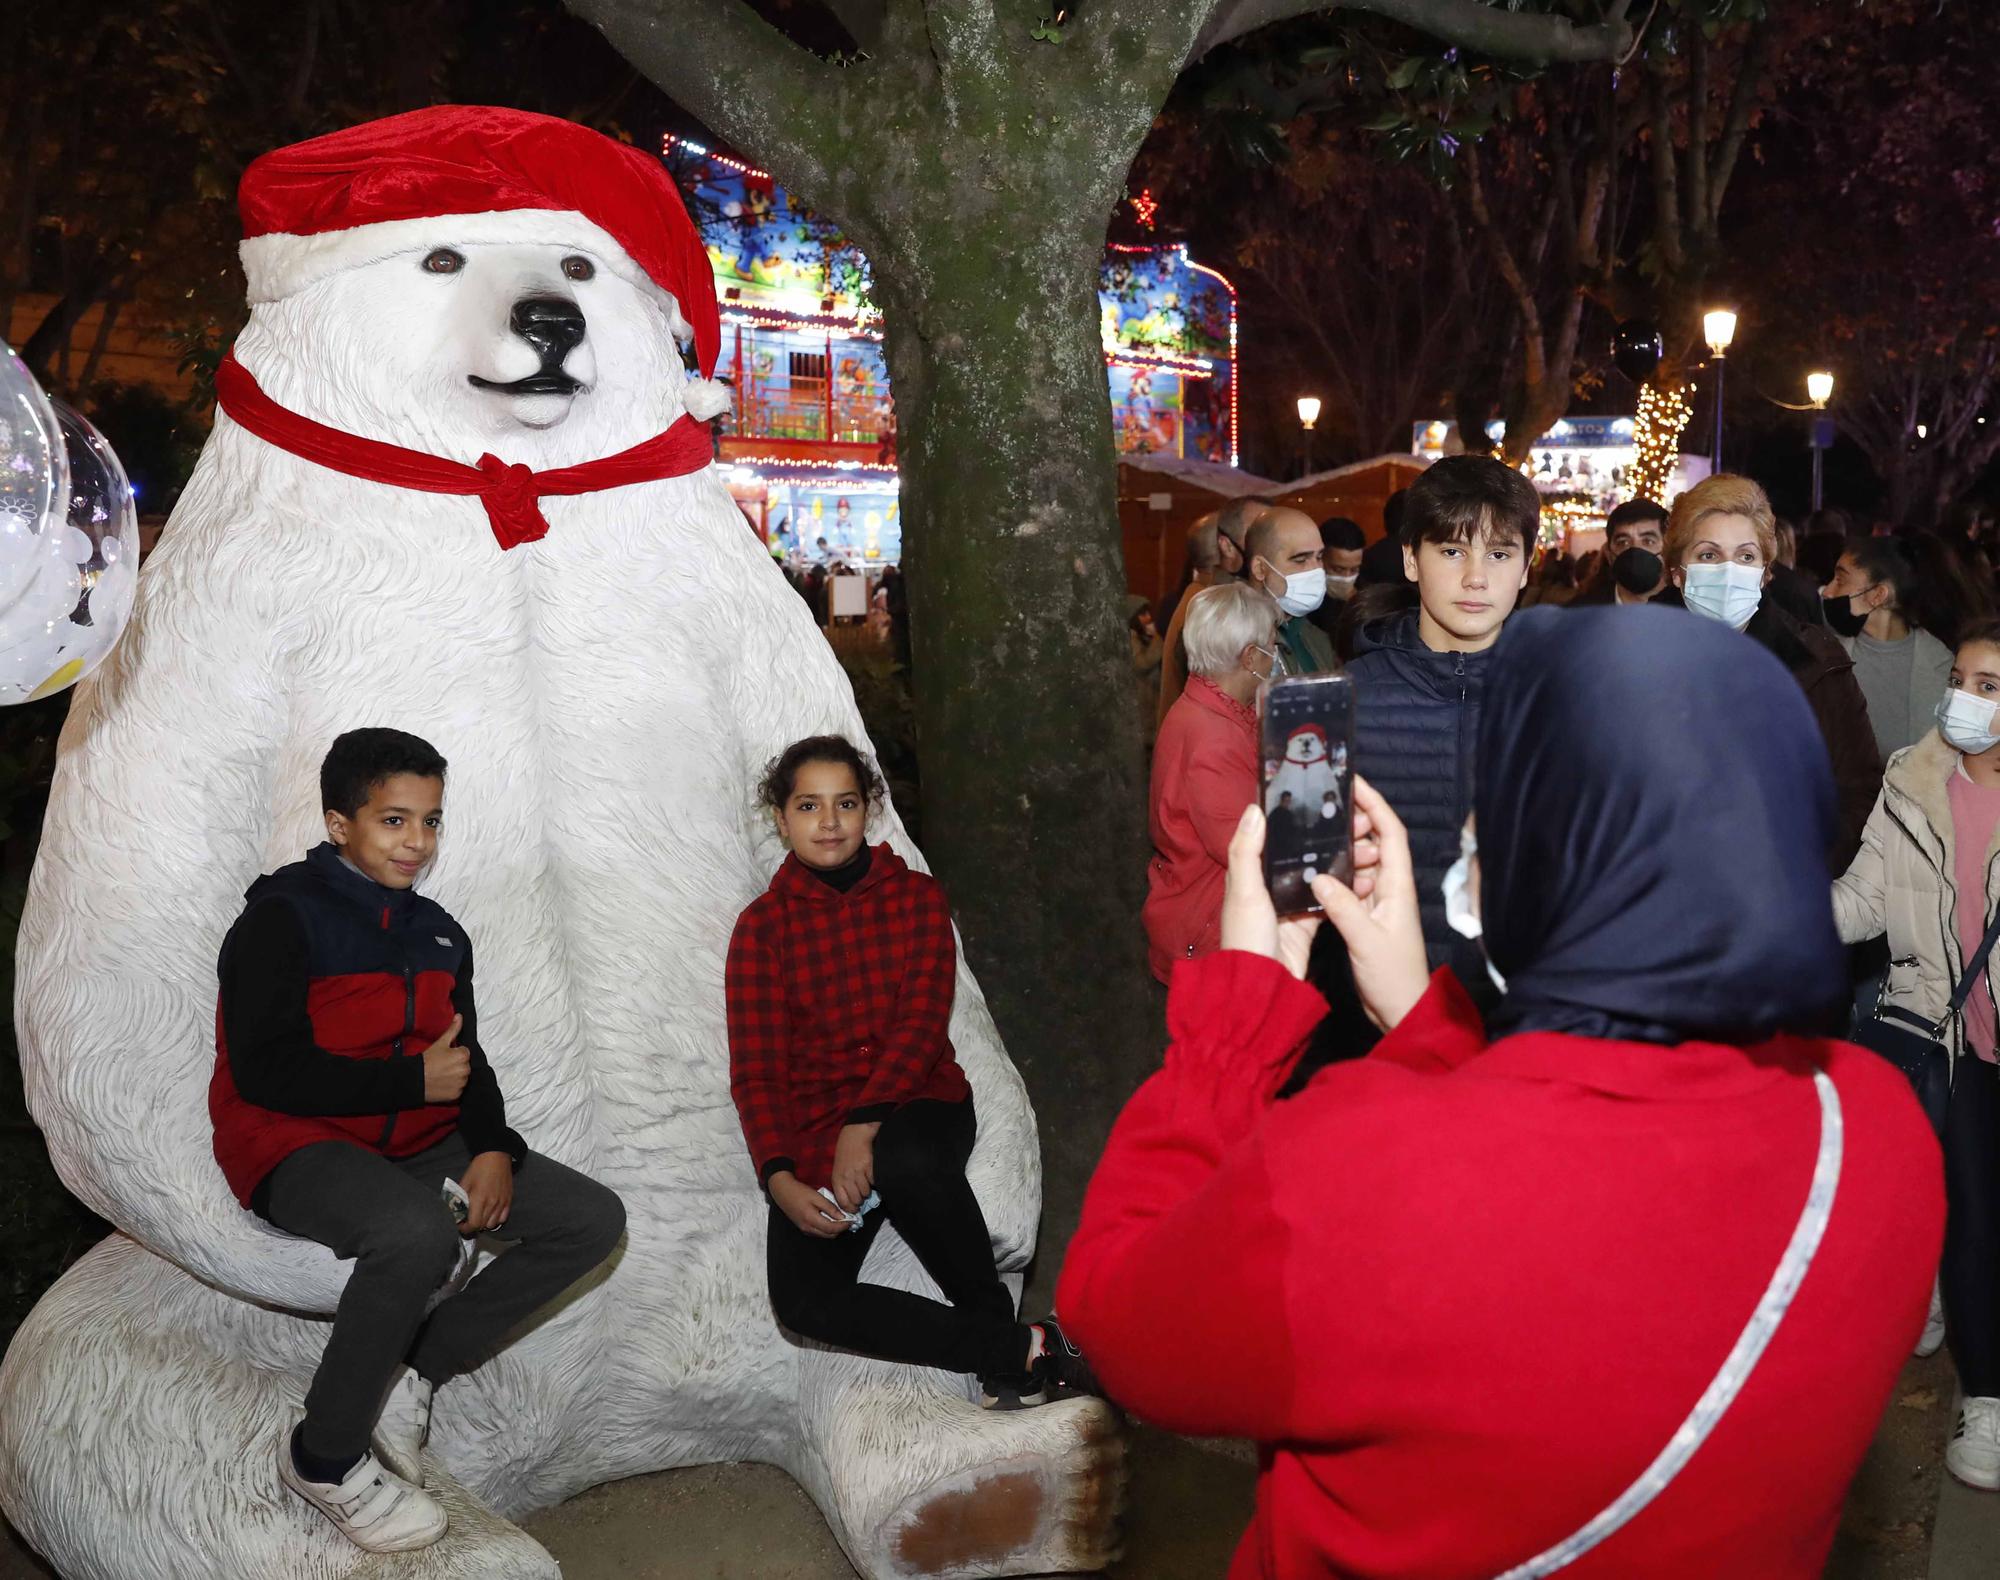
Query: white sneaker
point(404, 1426)
point(374, 1508)
point(1973, 1454)
point(1933, 1339)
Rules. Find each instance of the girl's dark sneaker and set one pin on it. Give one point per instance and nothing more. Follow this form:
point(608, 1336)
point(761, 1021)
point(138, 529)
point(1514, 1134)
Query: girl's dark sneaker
point(1013, 1390)
point(1063, 1369)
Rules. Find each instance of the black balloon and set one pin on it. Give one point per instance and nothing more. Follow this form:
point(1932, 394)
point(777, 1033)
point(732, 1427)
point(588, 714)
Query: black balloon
point(1636, 349)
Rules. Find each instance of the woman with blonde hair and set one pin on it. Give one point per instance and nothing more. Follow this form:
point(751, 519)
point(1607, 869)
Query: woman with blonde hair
point(1205, 768)
point(1722, 542)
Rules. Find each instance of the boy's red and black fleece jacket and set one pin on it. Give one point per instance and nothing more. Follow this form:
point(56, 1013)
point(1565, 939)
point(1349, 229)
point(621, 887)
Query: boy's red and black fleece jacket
point(332, 987)
point(839, 1009)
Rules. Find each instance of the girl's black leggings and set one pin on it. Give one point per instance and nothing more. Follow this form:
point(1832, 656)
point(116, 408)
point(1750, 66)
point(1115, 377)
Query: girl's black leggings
point(1971, 1272)
point(816, 1288)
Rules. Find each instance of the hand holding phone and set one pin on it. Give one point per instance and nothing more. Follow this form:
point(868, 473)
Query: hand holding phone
point(1307, 787)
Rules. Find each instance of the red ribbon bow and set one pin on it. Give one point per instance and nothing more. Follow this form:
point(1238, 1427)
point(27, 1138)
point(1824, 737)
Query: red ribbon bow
point(511, 492)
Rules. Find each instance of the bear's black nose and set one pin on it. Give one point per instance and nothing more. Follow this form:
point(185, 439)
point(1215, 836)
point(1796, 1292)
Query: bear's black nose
point(553, 325)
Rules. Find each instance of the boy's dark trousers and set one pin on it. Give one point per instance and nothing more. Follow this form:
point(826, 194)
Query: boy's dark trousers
point(389, 1215)
point(920, 1155)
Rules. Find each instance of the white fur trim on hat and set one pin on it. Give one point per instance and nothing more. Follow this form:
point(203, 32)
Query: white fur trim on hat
point(280, 264)
point(706, 398)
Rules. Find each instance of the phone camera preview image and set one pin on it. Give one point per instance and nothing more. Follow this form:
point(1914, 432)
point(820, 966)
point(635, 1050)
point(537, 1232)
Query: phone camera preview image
point(1308, 751)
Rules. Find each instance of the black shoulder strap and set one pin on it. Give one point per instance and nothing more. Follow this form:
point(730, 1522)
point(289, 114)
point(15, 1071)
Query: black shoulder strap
point(1973, 967)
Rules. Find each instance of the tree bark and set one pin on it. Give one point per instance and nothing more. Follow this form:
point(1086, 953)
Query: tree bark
point(975, 166)
point(1032, 771)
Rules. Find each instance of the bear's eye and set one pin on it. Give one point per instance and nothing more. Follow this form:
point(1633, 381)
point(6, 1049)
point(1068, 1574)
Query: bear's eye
point(442, 260)
point(575, 268)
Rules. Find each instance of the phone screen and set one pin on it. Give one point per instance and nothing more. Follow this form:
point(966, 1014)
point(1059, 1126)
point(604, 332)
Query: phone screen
point(1308, 753)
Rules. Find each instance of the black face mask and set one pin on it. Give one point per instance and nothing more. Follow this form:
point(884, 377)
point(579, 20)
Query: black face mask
point(1841, 617)
point(1637, 570)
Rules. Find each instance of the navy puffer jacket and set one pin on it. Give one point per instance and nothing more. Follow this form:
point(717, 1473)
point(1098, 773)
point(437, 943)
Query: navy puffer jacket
point(1416, 719)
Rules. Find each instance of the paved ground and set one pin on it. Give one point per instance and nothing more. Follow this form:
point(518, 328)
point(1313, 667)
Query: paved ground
point(1186, 1504)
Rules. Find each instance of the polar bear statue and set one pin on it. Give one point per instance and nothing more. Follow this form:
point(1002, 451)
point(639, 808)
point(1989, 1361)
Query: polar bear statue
point(607, 657)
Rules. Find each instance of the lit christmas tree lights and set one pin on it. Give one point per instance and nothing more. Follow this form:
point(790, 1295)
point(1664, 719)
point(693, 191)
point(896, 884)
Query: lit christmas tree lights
point(1656, 436)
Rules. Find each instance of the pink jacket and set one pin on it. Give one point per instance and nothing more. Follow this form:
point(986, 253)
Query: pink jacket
point(1204, 775)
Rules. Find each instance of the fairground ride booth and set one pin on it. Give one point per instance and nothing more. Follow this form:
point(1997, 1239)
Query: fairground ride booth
point(810, 452)
point(1583, 468)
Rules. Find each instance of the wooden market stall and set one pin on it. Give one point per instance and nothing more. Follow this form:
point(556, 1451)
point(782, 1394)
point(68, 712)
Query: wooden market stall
point(1357, 491)
point(1159, 498)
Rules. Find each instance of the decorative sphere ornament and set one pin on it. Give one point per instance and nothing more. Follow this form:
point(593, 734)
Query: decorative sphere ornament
point(34, 473)
point(1636, 349)
point(69, 542)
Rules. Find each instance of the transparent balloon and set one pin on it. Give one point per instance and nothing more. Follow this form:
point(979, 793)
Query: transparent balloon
point(34, 477)
point(69, 542)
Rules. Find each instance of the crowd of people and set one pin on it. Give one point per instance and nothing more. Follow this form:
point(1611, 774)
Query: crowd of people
point(1892, 649)
point(1541, 1201)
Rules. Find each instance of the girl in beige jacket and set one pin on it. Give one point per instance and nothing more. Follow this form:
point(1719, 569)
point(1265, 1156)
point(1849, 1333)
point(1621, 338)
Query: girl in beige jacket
point(1928, 875)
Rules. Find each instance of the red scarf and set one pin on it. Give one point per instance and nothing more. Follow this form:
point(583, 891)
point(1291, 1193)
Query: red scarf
point(510, 493)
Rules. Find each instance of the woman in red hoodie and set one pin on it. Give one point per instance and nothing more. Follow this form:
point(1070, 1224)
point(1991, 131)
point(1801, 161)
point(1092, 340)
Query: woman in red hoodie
point(1621, 1293)
point(840, 983)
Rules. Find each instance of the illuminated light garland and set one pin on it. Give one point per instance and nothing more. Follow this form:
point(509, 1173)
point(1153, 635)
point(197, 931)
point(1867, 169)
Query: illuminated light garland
point(784, 318)
point(670, 142)
point(1656, 437)
point(1158, 361)
point(830, 474)
point(1144, 207)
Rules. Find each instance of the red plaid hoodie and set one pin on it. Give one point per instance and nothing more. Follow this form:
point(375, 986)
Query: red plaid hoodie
point(838, 1009)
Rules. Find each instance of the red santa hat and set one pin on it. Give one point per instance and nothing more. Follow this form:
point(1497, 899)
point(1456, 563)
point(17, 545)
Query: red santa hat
point(1304, 731)
point(505, 177)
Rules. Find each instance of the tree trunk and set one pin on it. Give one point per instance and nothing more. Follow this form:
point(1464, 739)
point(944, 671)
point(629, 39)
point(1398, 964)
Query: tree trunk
point(1034, 799)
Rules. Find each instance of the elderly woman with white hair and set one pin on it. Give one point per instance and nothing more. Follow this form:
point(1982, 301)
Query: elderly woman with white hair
point(1205, 768)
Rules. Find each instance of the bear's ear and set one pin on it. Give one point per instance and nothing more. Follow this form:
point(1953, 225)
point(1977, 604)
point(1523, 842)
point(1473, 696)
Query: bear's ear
point(706, 398)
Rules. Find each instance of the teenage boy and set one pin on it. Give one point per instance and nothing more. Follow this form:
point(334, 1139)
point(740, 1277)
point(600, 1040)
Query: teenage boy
point(349, 1087)
point(1468, 523)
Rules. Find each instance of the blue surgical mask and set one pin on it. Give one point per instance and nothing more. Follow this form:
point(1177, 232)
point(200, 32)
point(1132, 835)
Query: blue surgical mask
point(1729, 593)
point(1460, 915)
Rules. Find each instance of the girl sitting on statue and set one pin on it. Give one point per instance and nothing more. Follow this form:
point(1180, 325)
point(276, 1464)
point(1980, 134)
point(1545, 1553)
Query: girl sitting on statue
point(840, 982)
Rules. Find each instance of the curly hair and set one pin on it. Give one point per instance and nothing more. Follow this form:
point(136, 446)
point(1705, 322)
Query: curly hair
point(360, 760)
point(775, 788)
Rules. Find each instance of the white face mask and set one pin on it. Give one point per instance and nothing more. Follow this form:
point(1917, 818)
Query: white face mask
point(1304, 592)
point(1459, 914)
point(1729, 593)
point(1966, 721)
point(1340, 586)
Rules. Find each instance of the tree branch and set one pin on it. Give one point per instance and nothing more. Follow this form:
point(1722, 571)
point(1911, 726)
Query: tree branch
point(1467, 23)
point(719, 60)
point(1510, 271)
point(1749, 78)
point(1696, 220)
point(1666, 180)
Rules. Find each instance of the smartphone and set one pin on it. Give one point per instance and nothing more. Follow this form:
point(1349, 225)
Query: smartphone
point(1308, 787)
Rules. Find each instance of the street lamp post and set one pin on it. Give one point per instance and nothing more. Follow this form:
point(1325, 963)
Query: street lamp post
point(1308, 415)
point(1819, 390)
point(1718, 328)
